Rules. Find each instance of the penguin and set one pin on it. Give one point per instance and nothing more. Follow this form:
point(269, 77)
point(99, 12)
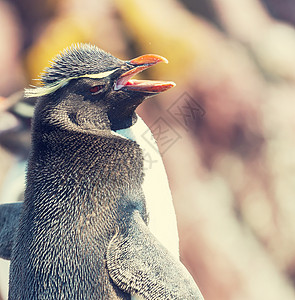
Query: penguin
point(86, 230)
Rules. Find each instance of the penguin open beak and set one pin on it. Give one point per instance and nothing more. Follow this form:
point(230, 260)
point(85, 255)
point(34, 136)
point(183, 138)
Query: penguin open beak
point(147, 86)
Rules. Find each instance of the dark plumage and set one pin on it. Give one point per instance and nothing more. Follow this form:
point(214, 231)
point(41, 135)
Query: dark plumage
point(83, 229)
point(80, 60)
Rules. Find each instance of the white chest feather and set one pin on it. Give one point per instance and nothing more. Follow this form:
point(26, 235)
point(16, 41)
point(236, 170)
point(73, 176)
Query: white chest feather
point(162, 219)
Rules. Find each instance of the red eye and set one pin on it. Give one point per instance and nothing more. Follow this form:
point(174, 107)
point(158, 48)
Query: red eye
point(95, 89)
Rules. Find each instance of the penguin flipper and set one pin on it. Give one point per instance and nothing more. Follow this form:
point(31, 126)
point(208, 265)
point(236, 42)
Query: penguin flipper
point(9, 218)
point(140, 265)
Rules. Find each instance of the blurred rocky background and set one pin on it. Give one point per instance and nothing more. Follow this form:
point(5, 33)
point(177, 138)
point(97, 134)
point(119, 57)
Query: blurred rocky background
point(226, 132)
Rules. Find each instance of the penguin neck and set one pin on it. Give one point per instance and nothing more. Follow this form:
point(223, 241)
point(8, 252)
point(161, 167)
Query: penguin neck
point(63, 161)
point(134, 131)
point(123, 122)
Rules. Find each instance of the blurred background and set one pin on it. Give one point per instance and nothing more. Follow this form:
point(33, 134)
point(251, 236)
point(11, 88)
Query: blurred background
point(226, 131)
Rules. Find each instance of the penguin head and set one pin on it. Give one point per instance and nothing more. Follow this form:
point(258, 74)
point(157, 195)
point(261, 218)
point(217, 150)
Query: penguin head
point(88, 86)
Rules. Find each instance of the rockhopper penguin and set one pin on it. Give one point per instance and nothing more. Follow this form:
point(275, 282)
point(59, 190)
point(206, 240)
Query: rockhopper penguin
point(83, 230)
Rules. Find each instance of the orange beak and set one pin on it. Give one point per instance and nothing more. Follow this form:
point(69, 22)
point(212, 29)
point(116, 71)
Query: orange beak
point(147, 86)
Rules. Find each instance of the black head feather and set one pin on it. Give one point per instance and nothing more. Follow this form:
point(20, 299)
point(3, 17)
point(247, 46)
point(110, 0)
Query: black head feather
point(79, 60)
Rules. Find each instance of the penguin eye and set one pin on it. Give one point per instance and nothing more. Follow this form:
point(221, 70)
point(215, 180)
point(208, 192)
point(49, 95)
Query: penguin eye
point(95, 89)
